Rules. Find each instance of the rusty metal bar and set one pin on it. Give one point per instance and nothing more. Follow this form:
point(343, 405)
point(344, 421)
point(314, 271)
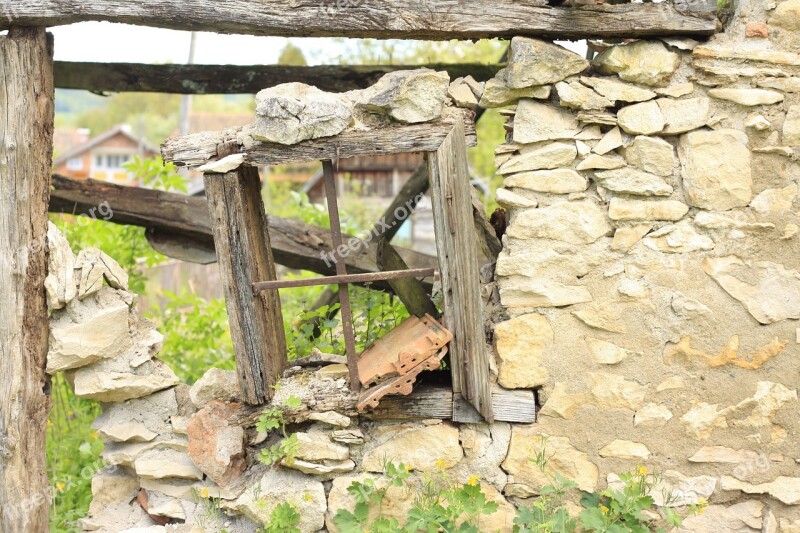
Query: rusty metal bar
point(366, 277)
point(341, 270)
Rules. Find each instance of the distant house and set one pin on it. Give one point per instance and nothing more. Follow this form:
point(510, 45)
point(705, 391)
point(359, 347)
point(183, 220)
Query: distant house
point(102, 157)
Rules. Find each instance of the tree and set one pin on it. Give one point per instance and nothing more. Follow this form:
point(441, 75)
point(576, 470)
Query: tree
point(292, 56)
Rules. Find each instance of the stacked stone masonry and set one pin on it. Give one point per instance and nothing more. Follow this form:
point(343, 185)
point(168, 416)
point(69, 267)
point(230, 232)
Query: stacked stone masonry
point(649, 289)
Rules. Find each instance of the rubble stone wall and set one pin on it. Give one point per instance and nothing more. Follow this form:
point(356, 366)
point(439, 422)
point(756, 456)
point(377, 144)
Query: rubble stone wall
point(648, 289)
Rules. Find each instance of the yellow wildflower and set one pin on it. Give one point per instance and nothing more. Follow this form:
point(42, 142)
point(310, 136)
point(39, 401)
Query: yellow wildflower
point(49, 424)
point(472, 481)
point(204, 492)
point(441, 464)
point(409, 468)
point(307, 497)
point(60, 486)
point(642, 470)
point(603, 509)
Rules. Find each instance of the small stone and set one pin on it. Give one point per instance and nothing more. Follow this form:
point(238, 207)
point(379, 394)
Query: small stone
point(527, 292)
point(513, 200)
point(120, 386)
point(625, 449)
point(216, 384)
point(610, 391)
point(747, 97)
point(610, 141)
point(618, 91)
point(462, 95)
point(95, 265)
point(166, 463)
point(678, 239)
point(791, 126)
point(756, 30)
point(790, 231)
point(325, 469)
point(332, 418)
point(642, 210)
point(633, 289)
point(784, 489)
point(651, 154)
point(540, 156)
point(606, 353)
point(671, 383)
point(786, 15)
point(561, 404)
point(652, 416)
point(600, 162)
point(583, 148)
point(498, 94)
point(536, 121)
point(784, 85)
point(571, 222)
point(226, 164)
point(757, 122)
point(317, 447)
point(645, 62)
point(676, 91)
point(721, 454)
point(138, 420)
point(577, 96)
point(774, 201)
point(333, 372)
point(216, 446)
point(590, 133)
point(600, 316)
point(427, 449)
point(685, 115)
point(60, 281)
point(716, 169)
point(641, 119)
point(631, 181)
point(410, 96)
point(768, 290)
point(348, 436)
point(534, 62)
point(626, 237)
point(520, 345)
point(556, 181)
point(294, 112)
point(744, 517)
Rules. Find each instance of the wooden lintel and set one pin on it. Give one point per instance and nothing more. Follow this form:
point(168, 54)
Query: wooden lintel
point(382, 19)
point(235, 79)
point(392, 138)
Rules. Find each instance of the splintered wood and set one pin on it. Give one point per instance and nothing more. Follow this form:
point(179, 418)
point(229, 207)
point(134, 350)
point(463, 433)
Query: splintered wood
point(393, 363)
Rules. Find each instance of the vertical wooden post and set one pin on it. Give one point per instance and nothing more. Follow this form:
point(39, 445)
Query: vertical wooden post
point(457, 246)
point(26, 148)
point(244, 255)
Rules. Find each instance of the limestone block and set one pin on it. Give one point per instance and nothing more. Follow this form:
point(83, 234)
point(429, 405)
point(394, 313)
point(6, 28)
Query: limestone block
point(716, 169)
point(678, 239)
point(462, 95)
point(563, 404)
point(326, 468)
point(396, 504)
point(565, 459)
point(425, 448)
point(783, 488)
point(645, 62)
point(518, 291)
point(791, 126)
point(166, 463)
point(676, 91)
point(332, 418)
point(601, 315)
point(540, 156)
point(626, 238)
point(684, 115)
point(536, 121)
point(216, 384)
point(610, 141)
point(601, 162)
point(513, 200)
point(60, 283)
point(768, 290)
point(641, 119)
point(571, 222)
point(319, 447)
point(534, 62)
point(120, 386)
point(409, 96)
point(684, 490)
point(784, 85)
point(625, 449)
point(610, 391)
point(651, 154)
point(520, 345)
point(555, 181)
point(498, 94)
point(577, 96)
point(632, 181)
point(644, 210)
point(744, 517)
point(652, 416)
point(618, 91)
point(138, 420)
point(688, 308)
point(747, 97)
point(95, 266)
point(607, 353)
point(485, 447)
point(757, 122)
point(216, 446)
point(786, 15)
point(722, 454)
point(774, 201)
point(293, 112)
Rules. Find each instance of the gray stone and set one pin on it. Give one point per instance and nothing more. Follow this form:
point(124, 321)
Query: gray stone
point(684, 115)
point(641, 119)
point(577, 96)
point(571, 222)
point(216, 384)
point(631, 181)
point(747, 97)
point(138, 420)
point(645, 62)
point(556, 181)
point(541, 156)
point(120, 386)
point(716, 169)
point(768, 290)
point(410, 96)
point(498, 94)
point(651, 154)
point(534, 62)
point(60, 281)
point(640, 210)
point(618, 91)
point(536, 121)
point(95, 266)
point(791, 126)
point(294, 112)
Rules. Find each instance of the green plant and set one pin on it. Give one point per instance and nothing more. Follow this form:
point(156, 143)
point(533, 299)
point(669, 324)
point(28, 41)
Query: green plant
point(284, 518)
point(155, 173)
point(273, 418)
point(368, 494)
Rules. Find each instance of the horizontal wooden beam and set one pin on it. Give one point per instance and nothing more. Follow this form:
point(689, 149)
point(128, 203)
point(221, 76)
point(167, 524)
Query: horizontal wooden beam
point(234, 79)
point(382, 19)
point(180, 223)
point(394, 138)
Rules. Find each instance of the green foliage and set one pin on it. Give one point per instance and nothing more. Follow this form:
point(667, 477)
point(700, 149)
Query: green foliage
point(292, 56)
point(273, 418)
point(285, 450)
point(368, 494)
point(283, 519)
point(157, 174)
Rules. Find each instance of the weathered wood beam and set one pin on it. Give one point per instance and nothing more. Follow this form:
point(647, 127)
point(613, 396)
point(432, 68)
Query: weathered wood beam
point(392, 138)
point(244, 255)
point(26, 130)
point(179, 225)
point(234, 79)
point(456, 244)
point(382, 19)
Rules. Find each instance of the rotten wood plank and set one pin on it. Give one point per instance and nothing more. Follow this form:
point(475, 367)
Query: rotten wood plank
point(457, 247)
point(179, 226)
point(508, 405)
point(392, 138)
point(236, 79)
point(26, 127)
point(241, 238)
point(383, 19)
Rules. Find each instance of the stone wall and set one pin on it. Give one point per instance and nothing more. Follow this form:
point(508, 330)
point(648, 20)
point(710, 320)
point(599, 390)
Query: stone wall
point(648, 289)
